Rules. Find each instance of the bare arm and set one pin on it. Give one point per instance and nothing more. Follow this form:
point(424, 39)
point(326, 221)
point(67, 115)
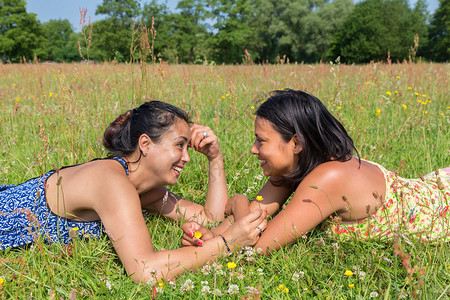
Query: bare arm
point(316, 198)
point(119, 208)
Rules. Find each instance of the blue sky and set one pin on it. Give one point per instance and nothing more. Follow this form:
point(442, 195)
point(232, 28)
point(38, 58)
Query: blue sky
point(70, 9)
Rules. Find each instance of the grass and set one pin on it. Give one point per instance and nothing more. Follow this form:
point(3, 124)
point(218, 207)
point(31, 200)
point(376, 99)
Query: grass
point(54, 115)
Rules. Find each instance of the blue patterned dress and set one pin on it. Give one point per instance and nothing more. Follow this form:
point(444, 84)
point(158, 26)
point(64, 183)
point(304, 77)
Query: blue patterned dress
point(26, 217)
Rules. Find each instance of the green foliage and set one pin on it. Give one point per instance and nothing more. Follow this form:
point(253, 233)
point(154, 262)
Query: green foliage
point(20, 32)
point(376, 30)
point(61, 41)
point(439, 37)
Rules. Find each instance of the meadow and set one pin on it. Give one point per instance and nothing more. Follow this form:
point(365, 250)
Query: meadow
point(53, 115)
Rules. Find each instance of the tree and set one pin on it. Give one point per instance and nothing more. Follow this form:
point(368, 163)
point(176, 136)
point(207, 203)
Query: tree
point(111, 37)
point(321, 26)
point(439, 39)
point(237, 30)
point(376, 29)
point(59, 45)
point(20, 32)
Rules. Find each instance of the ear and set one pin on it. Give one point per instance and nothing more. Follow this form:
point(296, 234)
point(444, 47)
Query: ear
point(297, 144)
point(144, 143)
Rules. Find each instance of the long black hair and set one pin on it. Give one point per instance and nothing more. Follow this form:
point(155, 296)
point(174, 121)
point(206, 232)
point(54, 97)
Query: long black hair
point(322, 137)
point(153, 118)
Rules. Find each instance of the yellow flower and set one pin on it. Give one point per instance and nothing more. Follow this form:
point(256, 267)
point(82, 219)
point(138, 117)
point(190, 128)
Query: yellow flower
point(286, 290)
point(348, 273)
point(280, 287)
point(441, 113)
point(223, 97)
point(351, 285)
point(339, 107)
point(252, 107)
point(388, 93)
point(398, 77)
point(417, 94)
point(2, 281)
point(75, 229)
point(409, 88)
point(160, 284)
point(18, 99)
point(377, 112)
point(396, 92)
point(404, 106)
point(231, 265)
point(361, 107)
point(423, 95)
point(50, 95)
point(259, 198)
point(367, 82)
point(425, 111)
point(227, 95)
point(197, 234)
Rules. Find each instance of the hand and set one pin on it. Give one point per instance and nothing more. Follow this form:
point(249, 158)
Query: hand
point(208, 145)
point(247, 230)
point(189, 228)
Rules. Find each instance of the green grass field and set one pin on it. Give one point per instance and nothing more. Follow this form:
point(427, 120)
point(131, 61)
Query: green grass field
point(54, 114)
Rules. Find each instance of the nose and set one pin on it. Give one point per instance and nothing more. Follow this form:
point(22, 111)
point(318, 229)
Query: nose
point(185, 157)
point(254, 149)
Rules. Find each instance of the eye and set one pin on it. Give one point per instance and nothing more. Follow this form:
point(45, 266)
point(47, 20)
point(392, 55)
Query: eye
point(259, 140)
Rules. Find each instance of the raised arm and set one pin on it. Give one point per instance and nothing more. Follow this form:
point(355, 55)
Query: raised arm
point(205, 141)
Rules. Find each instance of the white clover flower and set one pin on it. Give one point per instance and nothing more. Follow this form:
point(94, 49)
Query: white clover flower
point(233, 289)
point(217, 292)
point(220, 272)
point(362, 274)
point(259, 177)
point(335, 246)
point(206, 290)
point(187, 286)
point(108, 284)
point(246, 171)
point(204, 283)
point(206, 269)
point(260, 272)
point(373, 294)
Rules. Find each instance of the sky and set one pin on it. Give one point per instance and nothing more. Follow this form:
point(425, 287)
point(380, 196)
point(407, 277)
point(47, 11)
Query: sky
point(70, 9)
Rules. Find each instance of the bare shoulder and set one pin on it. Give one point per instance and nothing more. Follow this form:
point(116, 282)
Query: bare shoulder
point(332, 173)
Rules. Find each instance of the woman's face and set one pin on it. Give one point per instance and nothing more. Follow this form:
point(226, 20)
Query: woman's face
point(169, 156)
point(276, 157)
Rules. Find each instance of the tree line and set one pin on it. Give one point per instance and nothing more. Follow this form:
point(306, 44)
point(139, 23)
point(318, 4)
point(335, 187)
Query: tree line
point(232, 31)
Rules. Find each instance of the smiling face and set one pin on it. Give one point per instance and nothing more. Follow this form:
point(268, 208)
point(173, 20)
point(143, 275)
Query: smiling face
point(167, 158)
point(276, 156)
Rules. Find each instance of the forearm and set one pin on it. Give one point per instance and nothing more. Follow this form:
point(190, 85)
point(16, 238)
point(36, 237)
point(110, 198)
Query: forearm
point(217, 194)
point(169, 263)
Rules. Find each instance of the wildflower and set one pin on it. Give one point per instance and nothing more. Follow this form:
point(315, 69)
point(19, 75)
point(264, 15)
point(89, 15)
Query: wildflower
point(423, 95)
point(362, 274)
point(197, 234)
point(348, 273)
point(75, 228)
point(231, 265)
point(206, 290)
point(206, 269)
point(2, 280)
point(361, 107)
point(233, 289)
point(409, 88)
point(160, 284)
point(377, 113)
point(404, 106)
point(187, 286)
point(396, 92)
point(260, 272)
point(425, 111)
point(366, 82)
point(108, 284)
point(335, 246)
point(339, 107)
point(351, 285)
point(373, 294)
point(217, 292)
point(227, 95)
point(223, 97)
point(280, 287)
point(388, 93)
point(252, 107)
point(251, 290)
point(286, 290)
point(18, 99)
point(417, 94)
point(259, 198)
point(398, 77)
point(50, 95)
point(259, 177)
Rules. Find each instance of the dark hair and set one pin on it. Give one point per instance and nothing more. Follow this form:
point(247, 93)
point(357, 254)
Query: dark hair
point(322, 137)
point(152, 118)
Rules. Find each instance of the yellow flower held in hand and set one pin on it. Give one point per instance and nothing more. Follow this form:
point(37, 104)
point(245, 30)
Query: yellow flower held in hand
point(259, 198)
point(197, 234)
point(348, 273)
point(231, 265)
